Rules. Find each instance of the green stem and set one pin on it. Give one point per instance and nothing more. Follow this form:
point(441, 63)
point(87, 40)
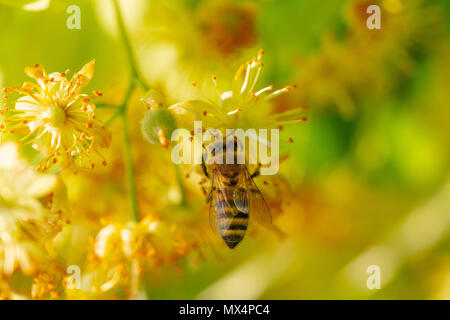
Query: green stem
point(129, 167)
point(135, 80)
point(122, 112)
point(125, 39)
point(118, 112)
point(105, 106)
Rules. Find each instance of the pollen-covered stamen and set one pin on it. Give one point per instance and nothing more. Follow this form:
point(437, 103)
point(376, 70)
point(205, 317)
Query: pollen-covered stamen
point(278, 92)
point(216, 87)
point(234, 111)
point(247, 76)
point(255, 79)
point(28, 92)
point(252, 74)
point(260, 92)
point(260, 52)
point(97, 93)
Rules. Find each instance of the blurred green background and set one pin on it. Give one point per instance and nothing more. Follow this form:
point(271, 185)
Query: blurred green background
point(368, 173)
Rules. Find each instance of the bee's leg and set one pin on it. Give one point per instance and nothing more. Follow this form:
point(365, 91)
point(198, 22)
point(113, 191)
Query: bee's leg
point(257, 171)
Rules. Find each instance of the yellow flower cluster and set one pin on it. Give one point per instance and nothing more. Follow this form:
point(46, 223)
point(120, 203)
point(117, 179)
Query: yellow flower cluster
point(57, 118)
point(32, 212)
point(236, 108)
point(121, 253)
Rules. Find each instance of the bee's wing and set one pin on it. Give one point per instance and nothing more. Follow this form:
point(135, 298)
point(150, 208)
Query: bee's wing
point(240, 195)
point(258, 206)
point(219, 202)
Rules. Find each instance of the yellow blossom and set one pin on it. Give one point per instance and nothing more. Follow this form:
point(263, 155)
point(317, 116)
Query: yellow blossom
point(243, 106)
point(121, 252)
point(30, 205)
point(60, 120)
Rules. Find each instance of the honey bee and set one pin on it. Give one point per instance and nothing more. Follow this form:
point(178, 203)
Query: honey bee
point(234, 198)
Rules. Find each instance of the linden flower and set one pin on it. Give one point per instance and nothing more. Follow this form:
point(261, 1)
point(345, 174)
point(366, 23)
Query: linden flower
point(28, 211)
point(242, 107)
point(121, 252)
point(59, 118)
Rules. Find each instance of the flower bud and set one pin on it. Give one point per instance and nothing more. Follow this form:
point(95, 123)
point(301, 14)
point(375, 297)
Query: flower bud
point(157, 126)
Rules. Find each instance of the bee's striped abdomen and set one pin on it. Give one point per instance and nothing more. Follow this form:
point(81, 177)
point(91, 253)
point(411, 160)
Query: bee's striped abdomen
point(231, 222)
point(232, 228)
